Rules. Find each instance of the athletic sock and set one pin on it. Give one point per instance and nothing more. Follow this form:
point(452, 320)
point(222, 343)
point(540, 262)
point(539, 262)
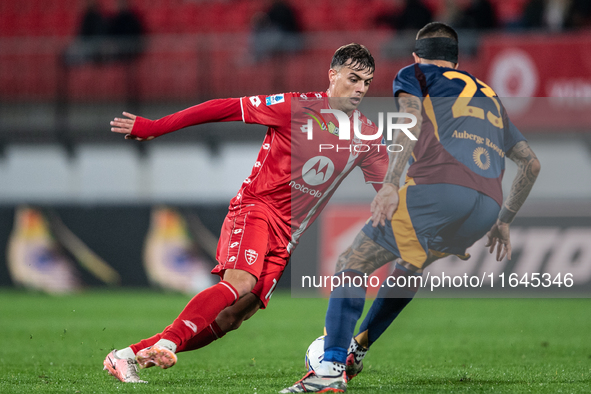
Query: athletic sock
point(125, 353)
point(200, 312)
point(144, 343)
point(389, 303)
point(344, 309)
point(170, 345)
point(204, 338)
point(330, 368)
point(358, 351)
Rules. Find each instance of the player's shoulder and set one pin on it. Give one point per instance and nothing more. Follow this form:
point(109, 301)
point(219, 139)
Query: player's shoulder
point(309, 100)
point(407, 80)
point(414, 71)
point(304, 98)
point(277, 99)
point(407, 72)
point(367, 126)
point(299, 95)
point(310, 95)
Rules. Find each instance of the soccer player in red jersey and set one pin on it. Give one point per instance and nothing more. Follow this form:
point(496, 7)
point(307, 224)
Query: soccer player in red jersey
point(295, 174)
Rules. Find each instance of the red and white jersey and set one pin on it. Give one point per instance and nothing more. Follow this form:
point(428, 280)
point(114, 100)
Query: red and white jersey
point(295, 176)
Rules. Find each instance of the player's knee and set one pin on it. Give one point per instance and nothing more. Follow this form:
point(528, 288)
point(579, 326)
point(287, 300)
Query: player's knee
point(244, 287)
point(242, 281)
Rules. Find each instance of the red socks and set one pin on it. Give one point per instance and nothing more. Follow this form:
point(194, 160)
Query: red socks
point(199, 313)
point(144, 343)
point(204, 338)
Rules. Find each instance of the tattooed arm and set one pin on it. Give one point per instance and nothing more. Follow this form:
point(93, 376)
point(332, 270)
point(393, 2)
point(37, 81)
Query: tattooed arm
point(528, 168)
point(386, 201)
point(412, 105)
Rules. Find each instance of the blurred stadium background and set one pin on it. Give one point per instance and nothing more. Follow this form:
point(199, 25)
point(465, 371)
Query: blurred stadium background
point(79, 206)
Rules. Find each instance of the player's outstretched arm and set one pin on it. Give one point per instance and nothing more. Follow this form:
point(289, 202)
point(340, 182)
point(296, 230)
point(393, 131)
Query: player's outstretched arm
point(385, 202)
point(528, 168)
point(138, 128)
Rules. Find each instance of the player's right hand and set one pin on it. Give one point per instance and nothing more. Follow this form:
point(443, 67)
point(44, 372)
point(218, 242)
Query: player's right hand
point(384, 204)
point(125, 126)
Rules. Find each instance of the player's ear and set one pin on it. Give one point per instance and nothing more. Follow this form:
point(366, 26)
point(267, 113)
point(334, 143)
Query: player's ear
point(332, 74)
point(417, 59)
point(457, 66)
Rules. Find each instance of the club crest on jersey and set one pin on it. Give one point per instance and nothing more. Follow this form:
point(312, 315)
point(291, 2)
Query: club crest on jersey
point(251, 256)
point(276, 99)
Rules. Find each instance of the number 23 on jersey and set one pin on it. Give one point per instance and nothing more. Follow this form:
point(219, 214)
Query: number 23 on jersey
point(462, 108)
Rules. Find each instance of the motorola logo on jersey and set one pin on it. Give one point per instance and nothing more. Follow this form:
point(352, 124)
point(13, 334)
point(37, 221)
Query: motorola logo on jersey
point(305, 189)
point(317, 170)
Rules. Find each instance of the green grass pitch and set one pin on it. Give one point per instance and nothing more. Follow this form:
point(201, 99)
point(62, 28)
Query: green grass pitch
point(56, 344)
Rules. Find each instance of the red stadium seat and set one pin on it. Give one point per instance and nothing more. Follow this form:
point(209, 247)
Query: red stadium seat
point(8, 23)
point(158, 20)
point(62, 23)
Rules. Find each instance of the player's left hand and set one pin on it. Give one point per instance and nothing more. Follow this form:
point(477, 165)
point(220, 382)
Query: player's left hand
point(499, 236)
point(384, 204)
point(125, 126)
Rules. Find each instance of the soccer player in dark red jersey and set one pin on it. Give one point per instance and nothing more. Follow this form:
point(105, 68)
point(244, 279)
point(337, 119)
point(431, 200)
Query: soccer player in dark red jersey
point(452, 197)
point(291, 182)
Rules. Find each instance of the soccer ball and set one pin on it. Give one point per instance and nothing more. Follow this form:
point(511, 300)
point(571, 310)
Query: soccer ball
point(315, 354)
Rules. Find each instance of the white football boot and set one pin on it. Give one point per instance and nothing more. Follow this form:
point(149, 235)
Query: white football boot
point(312, 383)
point(124, 369)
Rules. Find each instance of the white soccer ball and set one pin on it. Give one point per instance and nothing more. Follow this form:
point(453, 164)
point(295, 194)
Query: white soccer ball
point(315, 354)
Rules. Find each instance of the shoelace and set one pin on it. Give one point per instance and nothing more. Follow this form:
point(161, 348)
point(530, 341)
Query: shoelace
point(132, 369)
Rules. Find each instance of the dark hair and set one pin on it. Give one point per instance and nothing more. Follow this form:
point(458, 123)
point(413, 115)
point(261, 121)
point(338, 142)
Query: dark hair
point(355, 56)
point(437, 29)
